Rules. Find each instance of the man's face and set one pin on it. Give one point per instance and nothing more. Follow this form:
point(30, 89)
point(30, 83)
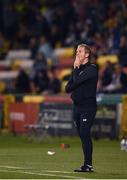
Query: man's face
point(81, 53)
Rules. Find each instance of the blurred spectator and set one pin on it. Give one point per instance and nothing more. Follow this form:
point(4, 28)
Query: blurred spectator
point(1, 45)
point(64, 14)
point(55, 36)
point(123, 51)
point(22, 36)
point(33, 47)
point(41, 26)
point(22, 84)
point(40, 63)
point(46, 49)
point(10, 20)
point(117, 84)
point(71, 35)
point(105, 75)
point(100, 43)
point(1, 40)
point(4, 46)
point(54, 85)
point(39, 83)
point(124, 80)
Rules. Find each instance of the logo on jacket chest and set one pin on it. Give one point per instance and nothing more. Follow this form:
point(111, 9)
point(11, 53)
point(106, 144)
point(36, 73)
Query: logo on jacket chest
point(80, 72)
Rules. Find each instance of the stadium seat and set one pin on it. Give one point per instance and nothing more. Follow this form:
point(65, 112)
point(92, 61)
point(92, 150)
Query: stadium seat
point(64, 52)
point(64, 73)
point(21, 54)
point(103, 58)
point(63, 84)
point(2, 86)
point(33, 99)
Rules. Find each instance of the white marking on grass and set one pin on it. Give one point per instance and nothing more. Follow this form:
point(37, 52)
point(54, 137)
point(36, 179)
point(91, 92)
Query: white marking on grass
point(65, 172)
point(39, 174)
point(52, 171)
point(20, 168)
point(12, 167)
point(7, 154)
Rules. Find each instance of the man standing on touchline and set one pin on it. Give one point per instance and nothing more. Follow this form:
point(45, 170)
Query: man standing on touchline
point(82, 86)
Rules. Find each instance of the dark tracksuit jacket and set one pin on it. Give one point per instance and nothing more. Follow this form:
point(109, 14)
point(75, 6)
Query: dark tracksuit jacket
point(82, 86)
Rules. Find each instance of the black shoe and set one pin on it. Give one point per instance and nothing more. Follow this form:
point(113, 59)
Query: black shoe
point(86, 168)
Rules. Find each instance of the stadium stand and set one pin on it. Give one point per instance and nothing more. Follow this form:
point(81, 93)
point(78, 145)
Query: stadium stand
point(54, 28)
point(37, 45)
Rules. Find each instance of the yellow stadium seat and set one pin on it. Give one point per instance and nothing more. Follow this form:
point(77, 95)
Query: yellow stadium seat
point(64, 52)
point(65, 72)
point(2, 86)
point(16, 64)
point(33, 99)
point(69, 52)
point(63, 84)
point(102, 59)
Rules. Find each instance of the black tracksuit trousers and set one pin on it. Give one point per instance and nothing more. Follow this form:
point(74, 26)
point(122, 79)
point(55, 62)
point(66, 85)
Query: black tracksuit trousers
point(83, 119)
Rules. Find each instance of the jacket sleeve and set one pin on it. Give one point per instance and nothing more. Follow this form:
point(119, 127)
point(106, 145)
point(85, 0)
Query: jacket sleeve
point(78, 78)
point(69, 84)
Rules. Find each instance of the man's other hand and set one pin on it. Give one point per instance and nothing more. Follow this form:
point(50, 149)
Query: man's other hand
point(77, 62)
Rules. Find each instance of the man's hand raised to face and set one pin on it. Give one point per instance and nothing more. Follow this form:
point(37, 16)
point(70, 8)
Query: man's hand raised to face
point(77, 62)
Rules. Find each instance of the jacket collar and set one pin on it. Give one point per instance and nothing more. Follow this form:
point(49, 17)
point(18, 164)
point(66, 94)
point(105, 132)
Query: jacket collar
point(82, 66)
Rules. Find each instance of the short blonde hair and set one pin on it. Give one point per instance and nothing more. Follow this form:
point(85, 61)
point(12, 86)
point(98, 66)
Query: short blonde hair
point(87, 49)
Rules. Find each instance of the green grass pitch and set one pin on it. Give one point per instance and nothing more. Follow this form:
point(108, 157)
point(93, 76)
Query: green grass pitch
point(22, 158)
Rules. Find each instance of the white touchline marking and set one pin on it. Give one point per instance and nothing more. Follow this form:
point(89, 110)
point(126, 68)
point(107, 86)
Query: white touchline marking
point(64, 172)
point(22, 168)
point(52, 171)
point(7, 154)
point(12, 167)
point(40, 174)
point(16, 167)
